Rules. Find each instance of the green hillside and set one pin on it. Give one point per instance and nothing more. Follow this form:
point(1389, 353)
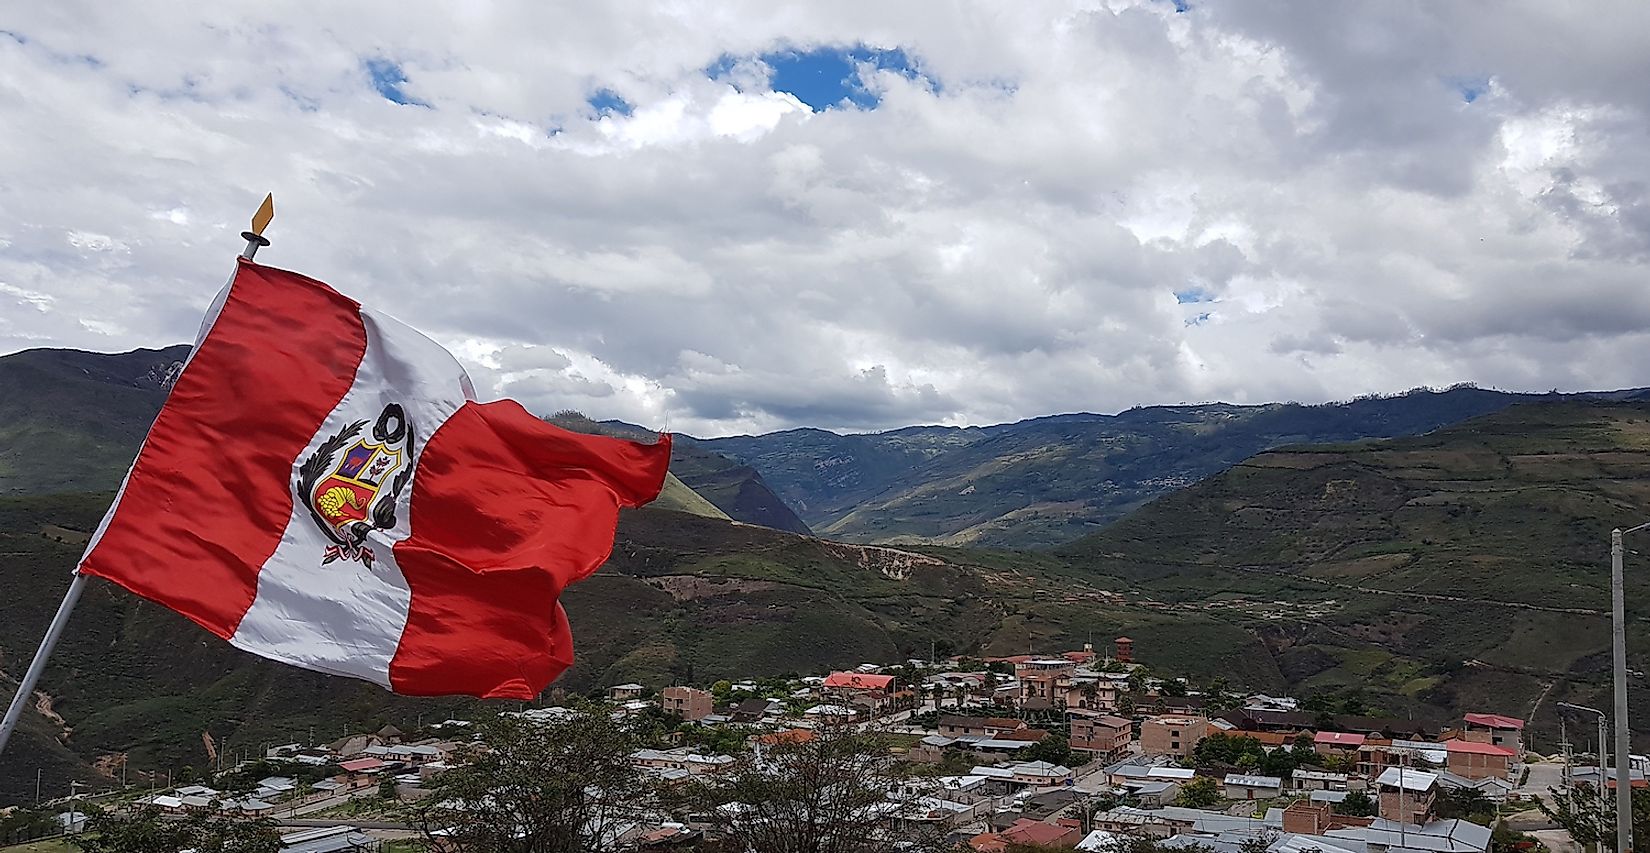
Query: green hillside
point(684, 598)
point(1466, 568)
point(1052, 480)
point(72, 420)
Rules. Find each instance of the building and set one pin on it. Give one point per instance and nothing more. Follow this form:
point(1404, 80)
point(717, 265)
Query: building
point(624, 692)
point(870, 690)
point(689, 703)
point(1496, 730)
point(829, 714)
point(751, 710)
point(1125, 650)
point(1345, 744)
point(1104, 735)
point(1094, 691)
point(1318, 780)
point(1307, 818)
point(1125, 773)
point(1407, 795)
point(1044, 680)
point(327, 839)
point(991, 727)
point(409, 753)
point(1172, 734)
point(1480, 760)
point(1027, 773)
point(1240, 786)
point(1377, 754)
point(681, 758)
point(1026, 833)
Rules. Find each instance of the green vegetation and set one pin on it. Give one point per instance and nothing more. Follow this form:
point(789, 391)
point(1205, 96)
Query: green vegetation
point(1200, 792)
point(1051, 480)
point(1460, 570)
point(71, 421)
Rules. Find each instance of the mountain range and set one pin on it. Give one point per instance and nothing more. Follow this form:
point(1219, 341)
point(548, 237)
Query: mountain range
point(1454, 569)
point(1050, 480)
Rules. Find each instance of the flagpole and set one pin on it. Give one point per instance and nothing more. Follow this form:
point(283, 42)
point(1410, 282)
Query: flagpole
point(25, 688)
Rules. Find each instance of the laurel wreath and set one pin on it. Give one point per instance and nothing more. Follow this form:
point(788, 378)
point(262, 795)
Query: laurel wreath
point(315, 467)
point(319, 463)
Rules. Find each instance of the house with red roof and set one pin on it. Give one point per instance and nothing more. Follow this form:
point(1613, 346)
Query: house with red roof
point(1338, 743)
point(1477, 760)
point(1495, 729)
point(1029, 833)
point(868, 690)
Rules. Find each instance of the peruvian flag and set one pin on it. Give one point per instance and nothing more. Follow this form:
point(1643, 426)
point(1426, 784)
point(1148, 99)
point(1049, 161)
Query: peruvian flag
point(322, 489)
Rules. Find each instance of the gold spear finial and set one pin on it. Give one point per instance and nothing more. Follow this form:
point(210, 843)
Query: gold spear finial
point(266, 212)
point(255, 238)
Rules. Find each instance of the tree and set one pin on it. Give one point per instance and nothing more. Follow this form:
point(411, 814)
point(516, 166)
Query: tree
point(387, 789)
point(27, 825)
point(1201, 792)
point(532, 786)
point(1357, 804)
point(839, 791)
point(1578, 810)
point(146, 830)
point(1468, 804)
point(1053, 748)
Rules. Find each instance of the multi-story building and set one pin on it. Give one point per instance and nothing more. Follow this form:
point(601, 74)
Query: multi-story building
point(1477, 760)
point(1104, 735)
point(1407, 795)
point(1497, 730)
point(1044, 680)
point(1172, 734)
point(689, 703)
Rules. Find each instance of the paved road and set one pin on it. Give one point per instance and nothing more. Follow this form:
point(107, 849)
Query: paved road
point(1543, 775)
point(1557, 840)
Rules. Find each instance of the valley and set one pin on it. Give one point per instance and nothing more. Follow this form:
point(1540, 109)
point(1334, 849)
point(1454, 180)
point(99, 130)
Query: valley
point(1422, 575)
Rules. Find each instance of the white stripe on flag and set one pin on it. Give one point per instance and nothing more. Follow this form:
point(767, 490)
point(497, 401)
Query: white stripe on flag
point(343, 616)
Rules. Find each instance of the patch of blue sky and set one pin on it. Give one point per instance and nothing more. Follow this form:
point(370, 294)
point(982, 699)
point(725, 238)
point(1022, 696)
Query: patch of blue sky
point(1470, 88)
point(825, 77)
point(1200, 319)
point(387, 79)
point(1193, 294)
point(609, 102)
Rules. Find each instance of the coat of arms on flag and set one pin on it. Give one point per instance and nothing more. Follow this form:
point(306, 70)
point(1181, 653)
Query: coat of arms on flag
point(351, 482)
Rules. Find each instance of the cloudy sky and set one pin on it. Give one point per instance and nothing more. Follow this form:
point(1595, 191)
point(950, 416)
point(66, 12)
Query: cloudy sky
point(729, 217)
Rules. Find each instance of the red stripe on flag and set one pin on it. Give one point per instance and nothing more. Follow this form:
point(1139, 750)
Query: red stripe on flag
point(507, 510)
point(209, 495)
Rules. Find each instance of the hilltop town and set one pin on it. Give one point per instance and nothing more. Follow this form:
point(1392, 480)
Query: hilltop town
point(1072, 750)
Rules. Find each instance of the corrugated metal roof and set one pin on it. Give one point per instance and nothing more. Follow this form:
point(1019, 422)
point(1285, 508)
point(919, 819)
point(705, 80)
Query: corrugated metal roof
point(1253, 781)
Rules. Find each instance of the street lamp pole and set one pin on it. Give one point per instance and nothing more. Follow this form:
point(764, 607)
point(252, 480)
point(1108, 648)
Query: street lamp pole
point(1603, 762)
point(1618, 642)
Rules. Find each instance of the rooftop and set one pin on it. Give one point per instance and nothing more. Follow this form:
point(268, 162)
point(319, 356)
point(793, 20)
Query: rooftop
point(1494, 721)
point(1406, 778)
point(1475, 748)
point(859, 681)
point(1253, 781)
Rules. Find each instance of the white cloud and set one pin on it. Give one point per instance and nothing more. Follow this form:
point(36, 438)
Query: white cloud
point(1001, 237)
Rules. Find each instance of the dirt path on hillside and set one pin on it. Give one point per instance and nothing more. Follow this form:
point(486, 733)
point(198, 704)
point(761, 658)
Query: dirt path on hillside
point(1427, 596)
